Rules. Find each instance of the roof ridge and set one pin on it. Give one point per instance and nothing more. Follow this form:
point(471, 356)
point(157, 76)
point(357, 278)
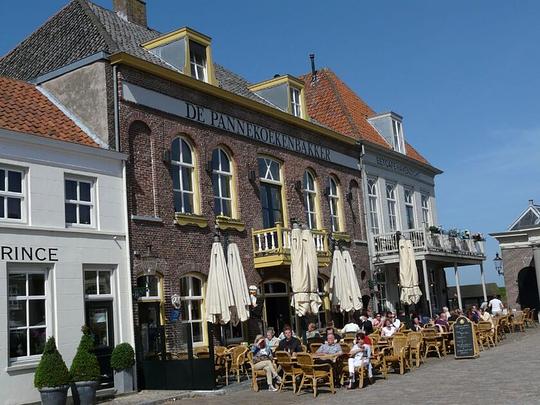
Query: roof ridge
point(97, 23)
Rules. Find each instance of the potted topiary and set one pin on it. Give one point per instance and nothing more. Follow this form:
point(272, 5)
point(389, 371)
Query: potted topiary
point(52, 376)
point(85, 371)
point(122, 361)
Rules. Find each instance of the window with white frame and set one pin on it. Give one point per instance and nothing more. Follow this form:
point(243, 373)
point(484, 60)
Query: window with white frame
point(182, 169)
point(296, 107)
point(79, 204)
point(409, 208)
point(197, 54)
point(97, 283)
point(391, 203)
point(222, 182)
point(333, 200)
point(191, 308)
point(310, 196)
point(372, 205)
point(11, 194)
point(27, 319)
point(151, 287)
point(397, 137)
point(426, 215)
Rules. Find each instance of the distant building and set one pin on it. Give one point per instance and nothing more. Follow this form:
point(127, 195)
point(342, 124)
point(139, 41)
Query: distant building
point(473, 294)
point(520, 251)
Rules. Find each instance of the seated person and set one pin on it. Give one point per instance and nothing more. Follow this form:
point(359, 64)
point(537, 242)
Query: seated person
point(416, 324)
point(396, 323)
point(271, 340)
point(360, 356)
point(282, 334)
point(486, 316)
point(331, 331)
point(441, 323)
point(290, 344)
point(262, 360)
point(366, 325)
point(330, 346)
point(351, 327)
point(312, 331)
point(377, 322)
point(388, 329)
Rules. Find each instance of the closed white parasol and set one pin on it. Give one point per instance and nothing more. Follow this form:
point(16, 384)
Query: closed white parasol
point(239, 285)
point(352, 281)
point(219, 295)
point(408, 273)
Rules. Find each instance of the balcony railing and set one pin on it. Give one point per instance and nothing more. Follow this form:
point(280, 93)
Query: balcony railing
point(272, 246)
point(425, 241)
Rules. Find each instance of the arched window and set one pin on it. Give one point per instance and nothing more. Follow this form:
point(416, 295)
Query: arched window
point(222, 183)
point(183, 168)
point(270, 191)
point(191, 309)
point(334, 201)
point(310, 199)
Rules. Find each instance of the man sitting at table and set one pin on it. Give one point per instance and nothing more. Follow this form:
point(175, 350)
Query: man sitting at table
point(331, 331)
point(330, 346)
point(290, 344)
point(351, 327)
point(441, 323)
point(396, 323)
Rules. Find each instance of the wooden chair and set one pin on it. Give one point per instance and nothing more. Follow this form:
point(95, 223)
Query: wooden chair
point(529, 318)
point(431, 342)
point(238, 360)
point(362, 372)
point(378, 364)
point(291, 371)
point(484, 331)
point(304, 349)
point(313, 374)
point(255, 374)
point(315, 346)
point(349, 341)
point(221, 364)
point(415, 341)
point(397, 353)
point(315, 340)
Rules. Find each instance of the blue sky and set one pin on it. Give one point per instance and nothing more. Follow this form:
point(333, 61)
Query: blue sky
point(463, 74)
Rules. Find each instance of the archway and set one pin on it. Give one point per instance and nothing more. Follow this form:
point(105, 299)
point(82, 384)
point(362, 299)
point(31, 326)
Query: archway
point(528, 289)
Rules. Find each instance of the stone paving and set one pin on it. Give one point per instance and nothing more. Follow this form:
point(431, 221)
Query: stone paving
point(507, 374)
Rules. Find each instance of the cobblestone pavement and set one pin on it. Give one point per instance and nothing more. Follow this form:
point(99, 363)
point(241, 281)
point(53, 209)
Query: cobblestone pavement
point(507, 374)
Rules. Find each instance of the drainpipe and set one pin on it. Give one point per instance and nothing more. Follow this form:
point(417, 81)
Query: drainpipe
point(116, 114)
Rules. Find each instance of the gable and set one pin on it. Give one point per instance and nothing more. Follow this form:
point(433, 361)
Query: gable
point(530, 218)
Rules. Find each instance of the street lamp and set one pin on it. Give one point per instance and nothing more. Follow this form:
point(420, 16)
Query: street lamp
point(498, 264)
point(378, 263)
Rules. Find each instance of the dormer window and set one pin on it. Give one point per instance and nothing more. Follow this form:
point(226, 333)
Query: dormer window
point(186, 51)
point(397, 136)
point(296, 106)
point(284, 92)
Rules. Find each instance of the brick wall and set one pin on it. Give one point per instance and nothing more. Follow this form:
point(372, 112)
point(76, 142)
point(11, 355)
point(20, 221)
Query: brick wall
point(514, 260)
point(146, 134)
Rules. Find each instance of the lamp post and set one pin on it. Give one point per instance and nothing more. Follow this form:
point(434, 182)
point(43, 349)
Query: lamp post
point(498, 262)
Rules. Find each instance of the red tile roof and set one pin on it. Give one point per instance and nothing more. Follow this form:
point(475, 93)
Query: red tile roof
point(332, 103)
point(23, 108)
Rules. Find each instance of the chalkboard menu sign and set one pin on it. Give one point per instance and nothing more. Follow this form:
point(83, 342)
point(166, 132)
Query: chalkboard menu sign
point(465, 344)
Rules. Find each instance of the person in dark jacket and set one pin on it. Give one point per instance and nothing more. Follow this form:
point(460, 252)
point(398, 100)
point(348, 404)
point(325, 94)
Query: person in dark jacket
point(365, 324)
point(290, 343)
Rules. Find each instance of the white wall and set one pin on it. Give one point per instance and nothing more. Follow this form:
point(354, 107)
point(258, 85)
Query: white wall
point(45, 163)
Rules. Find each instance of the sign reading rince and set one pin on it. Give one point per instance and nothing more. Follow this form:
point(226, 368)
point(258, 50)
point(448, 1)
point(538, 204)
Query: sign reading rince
point(28, 254)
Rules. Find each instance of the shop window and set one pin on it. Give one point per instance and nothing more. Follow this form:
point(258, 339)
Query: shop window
point(334, 202)
point(97, 282)
point(310, 200)
point(373, 205)
point(191, 307)
point(11, 194)
point(222, 183)
point(182, 170)
point(79, 202)
point(27, 314)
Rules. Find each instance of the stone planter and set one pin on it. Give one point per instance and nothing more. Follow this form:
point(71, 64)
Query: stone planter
point(124, 381)
point(54, 395)
point(84, 392)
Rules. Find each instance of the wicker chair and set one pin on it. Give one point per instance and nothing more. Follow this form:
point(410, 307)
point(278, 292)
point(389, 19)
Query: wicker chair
point(345, 348)
point(529, 318)
point(519, 321)
point(238, 360)
point(378, 364)
point(431, 342)
point(313, 374)
point(291, 371)
point(255, 374)
point(485, 333)
point(315, 346)
point(415, 342)
point(397, 353)
point(361, 371)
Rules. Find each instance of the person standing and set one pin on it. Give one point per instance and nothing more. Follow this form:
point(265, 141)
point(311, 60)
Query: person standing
point(255, 323)
point(496, 306)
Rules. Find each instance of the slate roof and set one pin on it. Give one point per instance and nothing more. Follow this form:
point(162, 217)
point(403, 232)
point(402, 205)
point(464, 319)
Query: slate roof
point(83, 28)
point(23, 108)
point(331, 102)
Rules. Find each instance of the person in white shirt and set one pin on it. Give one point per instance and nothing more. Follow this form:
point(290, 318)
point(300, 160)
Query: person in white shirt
point(396, 323)
point(351, 327)
point(360, 355)
point(388, 330)
point(496, 306)
point(446, 312)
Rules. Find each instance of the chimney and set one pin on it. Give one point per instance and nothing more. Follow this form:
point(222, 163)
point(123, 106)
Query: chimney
point(131, 10)
point(531, 202)
point(313, 70)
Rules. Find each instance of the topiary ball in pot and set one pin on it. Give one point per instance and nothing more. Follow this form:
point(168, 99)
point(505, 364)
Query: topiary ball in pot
point(52, 376)
point(85, 371)
point(122, 361)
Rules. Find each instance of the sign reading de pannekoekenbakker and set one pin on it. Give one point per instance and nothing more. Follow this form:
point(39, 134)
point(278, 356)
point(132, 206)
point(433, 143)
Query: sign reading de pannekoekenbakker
point(28, 254)
point(207, 116)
